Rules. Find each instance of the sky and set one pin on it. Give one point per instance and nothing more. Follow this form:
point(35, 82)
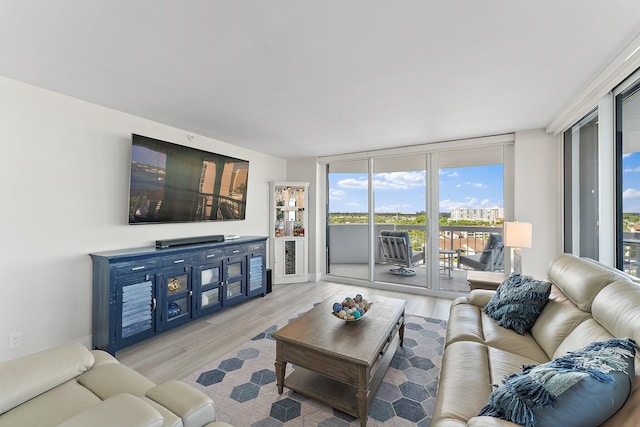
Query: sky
point(404, 192)
point(631, 182)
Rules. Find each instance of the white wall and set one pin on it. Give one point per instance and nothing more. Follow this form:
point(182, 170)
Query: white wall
point(538, 197)
point(64, 187)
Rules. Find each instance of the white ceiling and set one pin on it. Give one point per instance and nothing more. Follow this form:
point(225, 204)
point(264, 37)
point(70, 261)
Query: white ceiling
point(298, 78)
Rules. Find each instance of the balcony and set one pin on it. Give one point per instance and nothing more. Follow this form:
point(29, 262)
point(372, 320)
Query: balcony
point(348, 255)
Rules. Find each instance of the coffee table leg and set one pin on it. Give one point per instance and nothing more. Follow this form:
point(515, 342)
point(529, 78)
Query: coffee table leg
point(401, 331)
point(281, 367)
point(361, 395)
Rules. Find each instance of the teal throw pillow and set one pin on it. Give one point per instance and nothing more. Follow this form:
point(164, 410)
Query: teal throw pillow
point(518, 302)
point(580, 389)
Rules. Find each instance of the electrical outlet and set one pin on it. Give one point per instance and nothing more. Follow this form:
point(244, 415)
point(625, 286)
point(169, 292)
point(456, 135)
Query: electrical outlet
point(15, 339)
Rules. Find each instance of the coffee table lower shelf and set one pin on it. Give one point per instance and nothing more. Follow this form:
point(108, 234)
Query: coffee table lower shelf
point(323, 389)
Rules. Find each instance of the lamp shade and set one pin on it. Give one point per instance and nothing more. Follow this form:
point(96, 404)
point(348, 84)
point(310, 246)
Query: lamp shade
point(517, 234)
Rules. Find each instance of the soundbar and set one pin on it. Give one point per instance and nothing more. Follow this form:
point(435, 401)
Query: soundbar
point(169, 243)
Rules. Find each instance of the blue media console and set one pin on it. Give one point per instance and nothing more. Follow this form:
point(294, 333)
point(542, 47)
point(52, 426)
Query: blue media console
point(138, 293)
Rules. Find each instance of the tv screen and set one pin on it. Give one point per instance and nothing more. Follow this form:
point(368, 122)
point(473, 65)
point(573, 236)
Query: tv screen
point(175, 183)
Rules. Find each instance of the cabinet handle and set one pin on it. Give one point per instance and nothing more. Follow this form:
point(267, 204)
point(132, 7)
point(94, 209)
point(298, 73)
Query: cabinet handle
point(153, 303)
point(178, 261)
point(236, 251)
point(137, 268)
point(211, 255)
point(190, 293)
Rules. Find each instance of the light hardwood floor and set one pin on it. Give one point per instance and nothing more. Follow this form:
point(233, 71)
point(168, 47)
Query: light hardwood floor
point(175, 354)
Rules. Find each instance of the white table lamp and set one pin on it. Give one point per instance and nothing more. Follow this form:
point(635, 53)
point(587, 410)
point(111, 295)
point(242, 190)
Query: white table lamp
point(517, 235)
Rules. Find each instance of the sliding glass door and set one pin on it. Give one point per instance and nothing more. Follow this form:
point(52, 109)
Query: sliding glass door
point(471, 206)
point(399, 194)
point(348, 219)
point(409, 219)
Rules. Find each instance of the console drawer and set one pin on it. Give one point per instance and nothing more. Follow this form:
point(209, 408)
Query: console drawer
point(212, 255)
point(141, 266)
point(178, 260)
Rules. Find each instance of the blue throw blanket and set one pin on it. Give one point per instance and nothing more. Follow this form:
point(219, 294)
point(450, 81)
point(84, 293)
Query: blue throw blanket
point(540, 386)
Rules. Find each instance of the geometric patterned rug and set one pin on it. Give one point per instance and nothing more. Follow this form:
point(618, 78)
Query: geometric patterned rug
point(242, 384)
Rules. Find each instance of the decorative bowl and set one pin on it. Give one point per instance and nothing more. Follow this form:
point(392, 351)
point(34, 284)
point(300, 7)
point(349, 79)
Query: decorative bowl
point(351, 309)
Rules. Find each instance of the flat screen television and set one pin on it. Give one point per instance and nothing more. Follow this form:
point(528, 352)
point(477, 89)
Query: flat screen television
point(174, 183)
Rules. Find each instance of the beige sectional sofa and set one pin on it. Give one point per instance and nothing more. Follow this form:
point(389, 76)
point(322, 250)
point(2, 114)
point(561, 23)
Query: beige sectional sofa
point(71, 386)
point(589, 302)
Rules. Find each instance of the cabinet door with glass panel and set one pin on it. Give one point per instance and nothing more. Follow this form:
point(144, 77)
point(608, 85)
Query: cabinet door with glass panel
point(208, 295)
point(289, 220)
point(235, 277)
point(176, 290)
point(257, 284)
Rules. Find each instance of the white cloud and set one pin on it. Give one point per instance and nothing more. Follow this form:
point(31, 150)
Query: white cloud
point(399, 180)
point(475, 184)
point(636, 169)
point(336, 194)
point(454, 174)
point(353, 183)
point(624, 156)
point(468, 202)
point(459, 186)
point(630, 193)
point(447, 205)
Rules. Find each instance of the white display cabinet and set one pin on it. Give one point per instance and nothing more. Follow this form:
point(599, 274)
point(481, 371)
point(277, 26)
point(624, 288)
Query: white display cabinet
point(288, 235)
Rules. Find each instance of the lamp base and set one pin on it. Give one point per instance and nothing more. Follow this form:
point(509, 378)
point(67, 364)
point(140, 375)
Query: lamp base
point(516, 261)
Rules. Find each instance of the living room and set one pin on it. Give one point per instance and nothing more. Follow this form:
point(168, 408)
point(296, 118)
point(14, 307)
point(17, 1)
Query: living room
point(67, 158)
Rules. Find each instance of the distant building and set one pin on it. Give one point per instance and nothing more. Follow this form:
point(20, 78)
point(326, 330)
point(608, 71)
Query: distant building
point(490, 215)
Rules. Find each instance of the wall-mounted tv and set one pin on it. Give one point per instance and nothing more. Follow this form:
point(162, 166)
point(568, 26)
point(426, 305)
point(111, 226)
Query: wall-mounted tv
point(174, 183)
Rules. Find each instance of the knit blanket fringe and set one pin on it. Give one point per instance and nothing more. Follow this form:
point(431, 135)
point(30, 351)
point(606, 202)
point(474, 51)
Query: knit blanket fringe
point(538, 386)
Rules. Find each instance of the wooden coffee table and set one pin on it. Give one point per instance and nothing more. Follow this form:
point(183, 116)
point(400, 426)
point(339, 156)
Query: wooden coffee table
point(340, 363)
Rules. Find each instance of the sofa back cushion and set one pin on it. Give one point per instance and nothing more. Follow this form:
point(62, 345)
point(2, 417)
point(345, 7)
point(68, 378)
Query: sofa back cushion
point(26, 377)
point(617, 308)
point(580, 279)
point(556, 321)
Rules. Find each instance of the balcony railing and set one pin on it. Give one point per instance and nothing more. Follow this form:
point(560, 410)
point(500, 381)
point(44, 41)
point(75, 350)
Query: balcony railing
point(631, 250)
point(348, 242)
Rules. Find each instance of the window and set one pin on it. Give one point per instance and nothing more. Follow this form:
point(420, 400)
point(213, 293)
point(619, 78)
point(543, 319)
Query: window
point(581, 188)
point(628, 179)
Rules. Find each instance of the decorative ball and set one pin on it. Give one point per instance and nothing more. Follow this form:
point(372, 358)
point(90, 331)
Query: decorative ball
point(351, 308)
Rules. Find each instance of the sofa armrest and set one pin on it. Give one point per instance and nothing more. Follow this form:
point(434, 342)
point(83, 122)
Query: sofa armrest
point(477, 297)
point(194, 407)
point(122, 410)
point(480, 297)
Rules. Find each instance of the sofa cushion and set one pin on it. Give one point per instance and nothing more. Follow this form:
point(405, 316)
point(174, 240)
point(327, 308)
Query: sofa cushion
point(46, 409)
point(122, 410)
point(26, 377)
point(518, 301)
point(579, 279)
point(564, 316)
point(465, 382)
point(584, 387)
point(110, 379)
point(617, 308)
